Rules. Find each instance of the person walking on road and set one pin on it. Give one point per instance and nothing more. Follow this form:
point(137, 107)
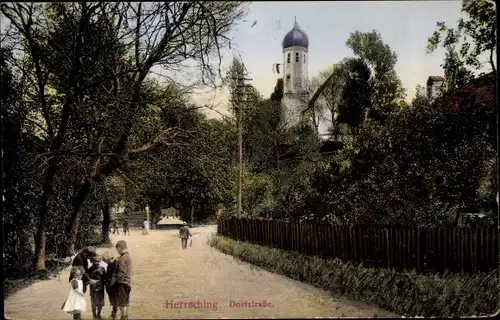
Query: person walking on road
point(145, 227)
point(116, 230)
point(125, 227)
point(184, 234)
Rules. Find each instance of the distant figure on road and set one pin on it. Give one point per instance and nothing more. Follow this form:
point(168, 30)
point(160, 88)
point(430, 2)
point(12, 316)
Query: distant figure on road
point(125, 227)
point(145, 227)
point(184, 234)
point(116, 230)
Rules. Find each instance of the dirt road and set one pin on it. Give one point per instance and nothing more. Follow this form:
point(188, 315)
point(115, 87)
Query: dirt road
point(164, 276)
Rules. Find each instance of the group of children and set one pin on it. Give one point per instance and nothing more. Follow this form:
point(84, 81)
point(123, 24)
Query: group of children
point(115, 280)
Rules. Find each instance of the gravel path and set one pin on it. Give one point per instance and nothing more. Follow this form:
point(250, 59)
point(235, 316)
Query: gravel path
point(163, 272)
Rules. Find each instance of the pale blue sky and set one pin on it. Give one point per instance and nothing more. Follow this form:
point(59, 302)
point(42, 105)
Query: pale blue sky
point(404, 25)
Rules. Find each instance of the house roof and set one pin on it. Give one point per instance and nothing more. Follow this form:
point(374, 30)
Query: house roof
point(436, 78)
point(431, 79)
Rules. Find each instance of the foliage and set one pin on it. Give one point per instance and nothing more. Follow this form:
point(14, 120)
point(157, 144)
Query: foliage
point(474, 37)
point(277, 94)
point(362, 87)
point(88, 66)
point(408, 294)
point(388, 94)
point(19, 174)
point(421, 168)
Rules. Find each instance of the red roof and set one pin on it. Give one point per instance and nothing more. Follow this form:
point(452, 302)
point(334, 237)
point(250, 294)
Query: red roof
point(436, 78)
point(431, 79)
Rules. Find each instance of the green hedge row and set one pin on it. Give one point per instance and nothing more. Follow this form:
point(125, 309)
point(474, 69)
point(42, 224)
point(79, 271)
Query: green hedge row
point(407, 294)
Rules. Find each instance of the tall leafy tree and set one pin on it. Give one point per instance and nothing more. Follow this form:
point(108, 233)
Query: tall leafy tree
point(388, 94)
point(474, 37)
point(97, 56)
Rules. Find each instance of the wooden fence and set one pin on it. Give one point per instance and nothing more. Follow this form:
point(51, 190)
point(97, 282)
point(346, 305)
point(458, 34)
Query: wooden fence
point(134, 218)
point(423, 249)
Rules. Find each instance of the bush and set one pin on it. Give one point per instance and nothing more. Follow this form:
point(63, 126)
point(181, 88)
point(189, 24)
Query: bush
point(89, 236)
point(408, 294)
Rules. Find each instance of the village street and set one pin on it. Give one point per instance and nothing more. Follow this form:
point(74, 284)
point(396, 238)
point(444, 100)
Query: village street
point(163, 272)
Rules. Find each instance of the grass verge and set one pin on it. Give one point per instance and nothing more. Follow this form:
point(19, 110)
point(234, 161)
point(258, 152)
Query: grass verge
point(407, 294)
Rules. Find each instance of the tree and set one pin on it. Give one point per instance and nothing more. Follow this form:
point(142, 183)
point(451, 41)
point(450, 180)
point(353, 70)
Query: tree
point(20, 177)
point(355, 100)
point(380, 89)
point(99, 74)
point(474, 36)
point(334, 80)
point(388, 94)
point(455, 73)
point(277, 94)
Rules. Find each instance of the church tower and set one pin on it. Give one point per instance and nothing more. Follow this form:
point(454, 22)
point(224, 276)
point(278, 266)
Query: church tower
point(295, 76)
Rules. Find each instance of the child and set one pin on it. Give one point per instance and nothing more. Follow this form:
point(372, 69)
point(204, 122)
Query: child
point(110, 270)
point(97, 272)
point(123, 273)
point(75, 302)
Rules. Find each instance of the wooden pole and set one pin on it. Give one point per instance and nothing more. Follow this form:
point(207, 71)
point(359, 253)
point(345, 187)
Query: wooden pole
point(240, 153)
point(239, 102)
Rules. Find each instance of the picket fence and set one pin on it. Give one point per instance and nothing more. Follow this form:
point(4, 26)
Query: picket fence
point(421, 249)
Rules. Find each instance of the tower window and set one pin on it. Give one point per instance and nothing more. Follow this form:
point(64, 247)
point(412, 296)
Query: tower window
point(288, 58)
point(304, 58)
point(296, 57)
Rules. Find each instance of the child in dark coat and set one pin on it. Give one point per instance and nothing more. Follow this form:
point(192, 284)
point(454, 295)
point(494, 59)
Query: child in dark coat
point(123, 276)
point(97, 273)
point(110, 287)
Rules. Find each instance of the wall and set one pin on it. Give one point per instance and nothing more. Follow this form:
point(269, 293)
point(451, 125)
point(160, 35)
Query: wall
point(297, 71)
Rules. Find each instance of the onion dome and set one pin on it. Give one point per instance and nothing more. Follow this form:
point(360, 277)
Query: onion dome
point(296, 38)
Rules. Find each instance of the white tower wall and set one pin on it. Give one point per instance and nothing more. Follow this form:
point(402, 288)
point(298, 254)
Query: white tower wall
point(295, 72)
point(295, 82)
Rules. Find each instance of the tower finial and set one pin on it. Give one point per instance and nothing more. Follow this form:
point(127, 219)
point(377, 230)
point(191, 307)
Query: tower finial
point(295, 17)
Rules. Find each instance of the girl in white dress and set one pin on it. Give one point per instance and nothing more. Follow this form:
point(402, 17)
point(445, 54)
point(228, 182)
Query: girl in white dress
point(75, 303)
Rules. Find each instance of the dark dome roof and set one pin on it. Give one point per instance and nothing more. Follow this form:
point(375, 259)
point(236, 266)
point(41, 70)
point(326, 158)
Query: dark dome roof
point(296, 37)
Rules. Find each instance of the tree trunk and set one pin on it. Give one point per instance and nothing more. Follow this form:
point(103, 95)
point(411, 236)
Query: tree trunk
point(40, 240)
point(155, 212)
point(74, 222)
point(492, 62)
point(105, 224)
point(192, 212)
point(41, 236)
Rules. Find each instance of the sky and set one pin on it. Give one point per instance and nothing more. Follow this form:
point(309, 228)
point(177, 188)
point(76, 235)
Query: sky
point(404, 25)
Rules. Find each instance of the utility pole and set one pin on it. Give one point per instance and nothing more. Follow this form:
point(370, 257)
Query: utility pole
point(239, 103)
